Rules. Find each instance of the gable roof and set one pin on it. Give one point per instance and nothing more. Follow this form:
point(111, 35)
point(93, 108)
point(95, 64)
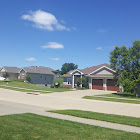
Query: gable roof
point(11, 69)
point(88, 71)
point(94, 68)
point(39, 70)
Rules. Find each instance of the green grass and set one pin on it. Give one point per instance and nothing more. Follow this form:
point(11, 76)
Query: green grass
point(121, 95)
point(101, 116)
point(112, 99)
point(30, 127)
point(31, 86)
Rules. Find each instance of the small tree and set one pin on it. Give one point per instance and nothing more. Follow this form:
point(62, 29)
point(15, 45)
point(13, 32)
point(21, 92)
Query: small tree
point(5, 75)
point(83, 81)
point(28, 78)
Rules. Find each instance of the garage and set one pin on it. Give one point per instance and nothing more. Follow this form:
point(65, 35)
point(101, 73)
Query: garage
point(111, 85)
point(97, 84)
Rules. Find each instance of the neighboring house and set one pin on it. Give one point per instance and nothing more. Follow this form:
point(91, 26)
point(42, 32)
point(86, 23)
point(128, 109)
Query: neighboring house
point(13, 72)
point(39, 75)
point(99, 77)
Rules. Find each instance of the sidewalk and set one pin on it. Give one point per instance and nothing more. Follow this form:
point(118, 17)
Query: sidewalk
point(104, 124)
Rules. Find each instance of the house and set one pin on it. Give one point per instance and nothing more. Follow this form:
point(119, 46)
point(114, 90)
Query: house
point(12, 71)
point(99, 77)
point(39, 75)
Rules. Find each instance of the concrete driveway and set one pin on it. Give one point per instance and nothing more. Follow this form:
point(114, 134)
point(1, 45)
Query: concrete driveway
point(71, 100)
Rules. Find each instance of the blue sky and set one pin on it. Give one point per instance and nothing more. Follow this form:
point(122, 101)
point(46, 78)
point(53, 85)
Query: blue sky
point(53, 32)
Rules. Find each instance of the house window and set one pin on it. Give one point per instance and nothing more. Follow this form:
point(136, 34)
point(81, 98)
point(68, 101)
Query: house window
point(41, 76)
point(69, 80)
point(22, 76)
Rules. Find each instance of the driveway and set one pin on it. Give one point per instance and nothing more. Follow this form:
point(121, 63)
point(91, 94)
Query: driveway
point(71, 100)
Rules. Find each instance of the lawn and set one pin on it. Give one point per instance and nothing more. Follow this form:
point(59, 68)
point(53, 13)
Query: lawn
point(101, 116)
point(112, 99)
point(30, 86)
point(31, 126)
point(121, 95)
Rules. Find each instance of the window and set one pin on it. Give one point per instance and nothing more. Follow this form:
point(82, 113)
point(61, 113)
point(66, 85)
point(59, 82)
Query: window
point(41, 76)
point(22, 76)
point(69, 80)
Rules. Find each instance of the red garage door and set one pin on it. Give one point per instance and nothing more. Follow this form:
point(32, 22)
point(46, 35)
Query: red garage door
point(111, 85)
point(97, 84)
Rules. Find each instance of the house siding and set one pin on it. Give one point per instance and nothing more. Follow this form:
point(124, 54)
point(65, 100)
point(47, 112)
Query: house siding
point(41, 79)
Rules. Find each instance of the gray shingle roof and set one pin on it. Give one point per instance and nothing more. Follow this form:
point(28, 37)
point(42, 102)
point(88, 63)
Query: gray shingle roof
point(40, 70)
point(11, 69)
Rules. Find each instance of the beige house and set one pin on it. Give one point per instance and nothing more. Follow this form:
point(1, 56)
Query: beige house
point(99, 77)
point(13, 72)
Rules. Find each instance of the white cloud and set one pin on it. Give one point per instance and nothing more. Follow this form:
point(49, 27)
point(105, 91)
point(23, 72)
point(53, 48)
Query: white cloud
point(44, 20)
point(53, 45)
point(55, 59)
point(99, 48)
point(31, 59)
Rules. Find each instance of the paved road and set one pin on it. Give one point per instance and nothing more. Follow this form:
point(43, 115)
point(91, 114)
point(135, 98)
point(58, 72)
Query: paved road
point(72, 100)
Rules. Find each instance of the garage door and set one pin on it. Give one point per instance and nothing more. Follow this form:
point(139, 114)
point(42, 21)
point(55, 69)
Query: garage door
point(97, 84)
point(111, 85)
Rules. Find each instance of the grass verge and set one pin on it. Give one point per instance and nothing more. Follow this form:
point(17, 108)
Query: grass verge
point(30, 86)
point(31, 126)
point(121, 95)
point(112, 99)
point(101, 116)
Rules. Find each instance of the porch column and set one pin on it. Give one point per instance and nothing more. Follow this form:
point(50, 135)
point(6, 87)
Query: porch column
point(81, 81)
point(105, 84)
point(73, 81)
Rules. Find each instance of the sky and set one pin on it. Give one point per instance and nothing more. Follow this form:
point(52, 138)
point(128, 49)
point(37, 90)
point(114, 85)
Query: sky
point(53, 32)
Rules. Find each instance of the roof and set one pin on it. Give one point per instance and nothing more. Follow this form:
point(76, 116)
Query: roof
point(11, 69)
point(93, 68)
point(40, 70)
point(89, 70)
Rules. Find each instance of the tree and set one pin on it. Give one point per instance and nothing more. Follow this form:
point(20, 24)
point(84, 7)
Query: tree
point(28, 78)
point(5, 75)
point(126, 62)
point(68, 67)
point(83, 81)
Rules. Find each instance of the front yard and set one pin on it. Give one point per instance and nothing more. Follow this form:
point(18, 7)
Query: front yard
point(15, 85)
point(31, 126)
point(116, 97)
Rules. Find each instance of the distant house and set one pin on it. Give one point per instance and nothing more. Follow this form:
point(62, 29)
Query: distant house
point(13, 72)
point(99, 77)
point(39, 75)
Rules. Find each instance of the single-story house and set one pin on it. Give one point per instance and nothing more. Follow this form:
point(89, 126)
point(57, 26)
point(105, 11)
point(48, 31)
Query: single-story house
point(12, 71)
point(100, 77)
point(39, 75)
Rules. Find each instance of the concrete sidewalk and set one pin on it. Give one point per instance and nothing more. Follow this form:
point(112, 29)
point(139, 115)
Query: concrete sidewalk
point(8, 108)
point(104, 124)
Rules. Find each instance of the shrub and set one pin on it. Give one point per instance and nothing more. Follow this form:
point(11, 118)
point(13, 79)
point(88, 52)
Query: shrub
point(28, 78)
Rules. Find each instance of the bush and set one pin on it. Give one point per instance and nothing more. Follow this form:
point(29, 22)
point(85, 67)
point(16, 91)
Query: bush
point(81, 88)
point(52, 86)
point(28, 78)
point(59, 80)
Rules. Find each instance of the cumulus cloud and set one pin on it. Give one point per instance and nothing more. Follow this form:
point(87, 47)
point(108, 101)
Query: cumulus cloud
point(30, 59)
point(99, 48)
point(55, 59)
point(53, 45)
point(44, 20)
